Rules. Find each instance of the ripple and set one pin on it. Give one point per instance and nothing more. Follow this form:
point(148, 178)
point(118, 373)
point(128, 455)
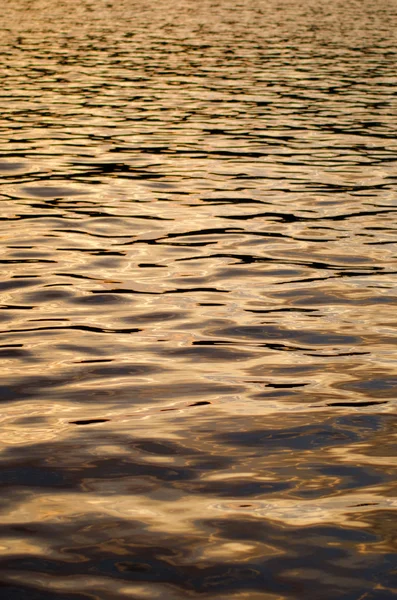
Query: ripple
point(198, 248)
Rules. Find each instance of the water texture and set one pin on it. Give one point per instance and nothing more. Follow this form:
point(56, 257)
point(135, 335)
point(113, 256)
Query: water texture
point(198, 309)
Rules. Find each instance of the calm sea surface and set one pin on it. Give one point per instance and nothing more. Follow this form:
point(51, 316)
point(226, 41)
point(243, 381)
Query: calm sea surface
point(198, 309)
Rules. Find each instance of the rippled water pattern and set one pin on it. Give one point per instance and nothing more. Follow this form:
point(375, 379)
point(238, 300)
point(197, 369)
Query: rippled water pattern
point(198, 309)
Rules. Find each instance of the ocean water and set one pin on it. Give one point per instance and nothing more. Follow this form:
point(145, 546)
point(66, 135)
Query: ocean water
point(198, 309)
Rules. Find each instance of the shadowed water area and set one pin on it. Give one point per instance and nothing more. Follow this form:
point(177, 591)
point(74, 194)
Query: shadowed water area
point(197, 310)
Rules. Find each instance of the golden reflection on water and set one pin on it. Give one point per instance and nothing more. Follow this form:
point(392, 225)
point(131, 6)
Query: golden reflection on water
point(197, 327)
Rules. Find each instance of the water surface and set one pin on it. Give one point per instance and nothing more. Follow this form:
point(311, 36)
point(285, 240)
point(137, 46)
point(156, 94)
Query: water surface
point(197, 326)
